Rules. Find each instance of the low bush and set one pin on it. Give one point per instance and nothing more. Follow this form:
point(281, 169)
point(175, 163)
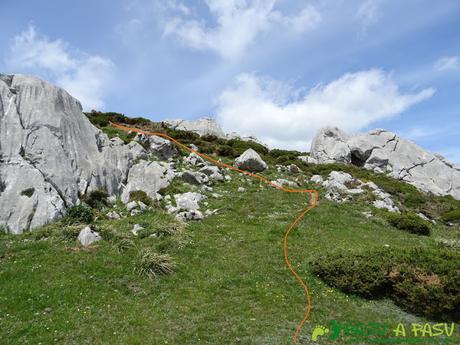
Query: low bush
point(79, 214)
point(140, 195)
point(96, 198)
point(451, 216)
point(422, 281)
point(28, 192)
point(152, 265)
point(409, 222)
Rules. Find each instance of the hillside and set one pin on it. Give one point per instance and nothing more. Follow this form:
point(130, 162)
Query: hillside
point(111, 235)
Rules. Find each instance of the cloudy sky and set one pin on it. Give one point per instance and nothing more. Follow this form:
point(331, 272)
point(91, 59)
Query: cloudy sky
point(276, 69)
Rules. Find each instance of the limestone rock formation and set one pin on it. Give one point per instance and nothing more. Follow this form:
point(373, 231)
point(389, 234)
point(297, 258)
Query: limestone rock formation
point(251, 161)
point(150, 177)
point(330, 146)
point(384, 152)
point(50, 154)
point(203, 126)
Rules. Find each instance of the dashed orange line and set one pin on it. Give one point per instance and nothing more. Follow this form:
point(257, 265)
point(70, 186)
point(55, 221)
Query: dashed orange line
point(312, 204)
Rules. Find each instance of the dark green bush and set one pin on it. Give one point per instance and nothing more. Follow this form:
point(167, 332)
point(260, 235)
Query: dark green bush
point(140, 195)
point(239, 146)
point(409, 222)
point(28, 192)
point(79, 214)
point(96, 198)
point(451, 216)
point(226, 151)
point(422, 281)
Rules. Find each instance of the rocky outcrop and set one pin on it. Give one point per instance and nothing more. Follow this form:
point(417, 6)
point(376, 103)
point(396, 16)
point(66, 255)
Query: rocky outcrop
point(203, 126)
point(330, 146)
point(157, 146)
point(88, 236)
point(384, 152)
point(50, 154)
point(150, 177)
point(341, 187)
point(250, 161)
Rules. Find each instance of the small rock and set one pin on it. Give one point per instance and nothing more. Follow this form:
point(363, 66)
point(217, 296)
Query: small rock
point(228, 178)
point(135, 230)
point(88, 236)
point(250, 161)
point(135, 212)
point(241, 189)
point(113, 215)
point(131, 205)
point(316, 179)
point(142, 206)
point(194, 177)
point(293, 169)
point(190, 215)
point(112, 200)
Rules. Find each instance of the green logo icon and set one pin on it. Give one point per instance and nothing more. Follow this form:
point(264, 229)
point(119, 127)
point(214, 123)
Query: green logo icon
point(319, 331)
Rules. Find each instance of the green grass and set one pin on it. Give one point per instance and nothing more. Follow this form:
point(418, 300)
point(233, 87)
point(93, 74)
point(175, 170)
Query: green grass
point(230, 286)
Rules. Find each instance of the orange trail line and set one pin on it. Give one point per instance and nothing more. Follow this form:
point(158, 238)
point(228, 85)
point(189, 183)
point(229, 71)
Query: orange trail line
point(313, 203)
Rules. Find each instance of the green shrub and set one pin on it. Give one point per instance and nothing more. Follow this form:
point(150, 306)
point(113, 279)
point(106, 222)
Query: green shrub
point(409, 222)
point(140, 195)
point(422, 281)
point(28, 192)
point(239, 146)
point(152, 265)
point(96, 198)
point(79, 214)
point(451, 216)
point(226, 151)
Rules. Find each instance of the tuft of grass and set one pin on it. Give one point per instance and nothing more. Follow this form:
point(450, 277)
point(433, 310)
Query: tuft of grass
point(451, 216)
point(140, 195)
point(153, 265)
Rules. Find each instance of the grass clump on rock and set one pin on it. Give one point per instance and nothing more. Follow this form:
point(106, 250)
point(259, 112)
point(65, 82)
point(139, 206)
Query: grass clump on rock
point(152, 265)
point(140, 195)
point(96, 198)
point(409, 222)
point(424, 281)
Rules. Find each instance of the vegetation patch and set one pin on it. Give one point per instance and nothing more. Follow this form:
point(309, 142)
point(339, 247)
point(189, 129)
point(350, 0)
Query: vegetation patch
point(79, 214)
point(140, 195)
point(451, 216)
point(422, 281)
point(409, 222)
point(96, 198)
point(152, 265)
point(28, 192)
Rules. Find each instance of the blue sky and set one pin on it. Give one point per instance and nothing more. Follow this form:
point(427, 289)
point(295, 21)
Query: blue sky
point(278, 70)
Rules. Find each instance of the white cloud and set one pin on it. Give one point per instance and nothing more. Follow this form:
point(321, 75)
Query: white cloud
point(82, 75)
point(265, 108)
point(368, 13)
point(237, 24)
point(447, 63)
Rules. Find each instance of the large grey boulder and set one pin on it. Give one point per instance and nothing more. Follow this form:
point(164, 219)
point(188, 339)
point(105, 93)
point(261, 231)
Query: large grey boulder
point(48, 144)
point(150, 177)
point(330, 146)
point(385, 152)
point(250, 161)
point(203, 126)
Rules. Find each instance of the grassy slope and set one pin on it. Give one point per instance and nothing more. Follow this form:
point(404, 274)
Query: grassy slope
point(231, 286)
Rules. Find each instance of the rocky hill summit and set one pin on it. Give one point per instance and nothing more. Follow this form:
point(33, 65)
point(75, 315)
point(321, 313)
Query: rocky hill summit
point(53, 157)
point(385, 152)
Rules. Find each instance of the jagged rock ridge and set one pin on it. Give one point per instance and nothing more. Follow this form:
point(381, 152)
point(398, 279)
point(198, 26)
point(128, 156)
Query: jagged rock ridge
point(384, 152)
